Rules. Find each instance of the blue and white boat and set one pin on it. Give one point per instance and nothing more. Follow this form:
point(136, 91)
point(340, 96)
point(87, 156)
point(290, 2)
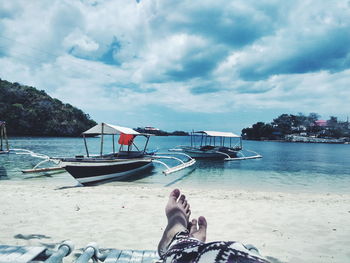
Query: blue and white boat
point(215, 145)
point(126, 162)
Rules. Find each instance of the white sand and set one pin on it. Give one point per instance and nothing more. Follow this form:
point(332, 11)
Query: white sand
point(288, 227)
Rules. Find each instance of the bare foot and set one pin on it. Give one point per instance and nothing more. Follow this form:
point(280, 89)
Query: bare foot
point(199, 232)
point(178, 212)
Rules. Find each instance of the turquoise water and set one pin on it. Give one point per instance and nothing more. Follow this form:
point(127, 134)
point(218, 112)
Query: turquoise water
point(292, 167)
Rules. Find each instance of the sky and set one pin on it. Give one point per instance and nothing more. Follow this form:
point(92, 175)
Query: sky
point(182, 65)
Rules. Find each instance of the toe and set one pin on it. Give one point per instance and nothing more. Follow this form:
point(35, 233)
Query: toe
point(188, 213)
point(182, 199)
point(189, 225)
point(174, 195)
point(202, 223)
point(193, 226)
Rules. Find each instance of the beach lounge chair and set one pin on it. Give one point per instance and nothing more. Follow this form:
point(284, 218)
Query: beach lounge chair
point(117, 256)
point(27, 254)
point(24, 254)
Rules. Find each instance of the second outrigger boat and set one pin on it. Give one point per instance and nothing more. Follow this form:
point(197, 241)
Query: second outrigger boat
point(125, 162)
point(216, 145)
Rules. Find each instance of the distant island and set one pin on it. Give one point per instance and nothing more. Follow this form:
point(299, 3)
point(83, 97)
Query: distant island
point(28, 111)
point(300, 128)
point(158, 132)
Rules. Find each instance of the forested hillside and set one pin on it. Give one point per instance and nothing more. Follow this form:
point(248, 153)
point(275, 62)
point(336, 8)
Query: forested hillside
point(28, 111)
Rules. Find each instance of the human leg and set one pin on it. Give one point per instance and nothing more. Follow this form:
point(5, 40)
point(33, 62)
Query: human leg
point(177, 212)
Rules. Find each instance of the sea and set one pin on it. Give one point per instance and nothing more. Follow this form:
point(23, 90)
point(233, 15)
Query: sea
point(285, 167)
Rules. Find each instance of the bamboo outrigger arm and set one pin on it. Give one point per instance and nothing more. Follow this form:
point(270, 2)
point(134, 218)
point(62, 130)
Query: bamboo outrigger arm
point(256, 156)
point(179, 167)
point(46, 158)
point(45, 169)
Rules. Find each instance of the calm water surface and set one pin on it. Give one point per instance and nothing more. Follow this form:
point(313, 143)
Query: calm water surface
point(291, 167)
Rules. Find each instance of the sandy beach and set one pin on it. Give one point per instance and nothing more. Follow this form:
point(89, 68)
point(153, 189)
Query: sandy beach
point(285, 227)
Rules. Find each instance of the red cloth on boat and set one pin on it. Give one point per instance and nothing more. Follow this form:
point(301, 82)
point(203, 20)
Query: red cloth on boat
point(126, 139)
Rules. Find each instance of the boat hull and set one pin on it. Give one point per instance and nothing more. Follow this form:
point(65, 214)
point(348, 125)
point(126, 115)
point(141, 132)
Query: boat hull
point(198, 154)
point(91, 172)
point(208, 155)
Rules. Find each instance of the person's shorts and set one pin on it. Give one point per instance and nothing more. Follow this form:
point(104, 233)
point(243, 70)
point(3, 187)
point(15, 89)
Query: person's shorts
point(187, 249)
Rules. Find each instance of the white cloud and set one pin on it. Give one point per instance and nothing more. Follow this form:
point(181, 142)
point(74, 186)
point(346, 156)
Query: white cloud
point(168, 55)
point(78, 40)
point(246, 54)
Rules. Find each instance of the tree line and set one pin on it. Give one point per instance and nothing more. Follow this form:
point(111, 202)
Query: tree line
point(161, 132)
point(28, 111)
point(300, 124)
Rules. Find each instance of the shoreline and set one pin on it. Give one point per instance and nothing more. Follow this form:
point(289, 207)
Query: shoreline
point(296, 141)
point(65, 180)
point(285, 226)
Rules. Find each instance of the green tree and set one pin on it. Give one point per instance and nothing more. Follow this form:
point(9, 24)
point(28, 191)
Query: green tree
point(332, 122)
point(313, 117)
point(284, 123)
point(258, 130)
point(28, 111)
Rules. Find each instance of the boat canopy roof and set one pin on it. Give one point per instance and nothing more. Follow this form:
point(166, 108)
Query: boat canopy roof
point(219, 134)
point(111, 129)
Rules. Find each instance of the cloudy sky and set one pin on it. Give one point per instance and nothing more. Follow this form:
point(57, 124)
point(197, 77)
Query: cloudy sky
point(209, 64)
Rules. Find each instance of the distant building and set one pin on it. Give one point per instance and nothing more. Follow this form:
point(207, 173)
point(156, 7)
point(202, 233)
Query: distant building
point(300, 128)
point(148, 128)
point(321, 123)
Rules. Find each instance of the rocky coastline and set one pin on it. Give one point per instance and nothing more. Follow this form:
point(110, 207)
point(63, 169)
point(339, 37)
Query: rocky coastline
point(307, 139)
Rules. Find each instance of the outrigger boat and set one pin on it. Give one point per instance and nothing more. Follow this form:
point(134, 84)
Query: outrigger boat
point(216, 145)
point(125, 162)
